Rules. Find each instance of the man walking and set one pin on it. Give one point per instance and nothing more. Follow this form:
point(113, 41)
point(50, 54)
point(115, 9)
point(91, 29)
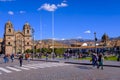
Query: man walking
point(20, 60)
point(100, 60)
point(12, 57)
point(94, 59)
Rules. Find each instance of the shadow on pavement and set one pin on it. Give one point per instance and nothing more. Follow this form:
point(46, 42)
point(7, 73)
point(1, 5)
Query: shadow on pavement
point(84, 67)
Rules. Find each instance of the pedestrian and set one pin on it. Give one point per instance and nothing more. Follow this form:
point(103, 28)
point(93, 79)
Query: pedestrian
point(94, 59)
point(20, 60)
point(46, 56)
point(118, 58)
point(100, 61)
point(64, 55)
point(27, 57)
point(53, 55)
point(5, 58)
point(40, 55)
point(12, 57)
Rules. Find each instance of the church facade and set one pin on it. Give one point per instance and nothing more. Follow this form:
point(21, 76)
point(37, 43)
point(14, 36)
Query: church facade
point(17, 41)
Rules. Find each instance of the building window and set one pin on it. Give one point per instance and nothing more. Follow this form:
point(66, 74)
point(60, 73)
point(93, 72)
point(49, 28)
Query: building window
point(27, 43)
point(27, 31)
point(8, 43)
point(9, 30)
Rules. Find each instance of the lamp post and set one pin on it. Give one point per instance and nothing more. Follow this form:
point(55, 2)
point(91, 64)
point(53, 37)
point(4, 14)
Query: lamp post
point(95, 41)
point(33, 42)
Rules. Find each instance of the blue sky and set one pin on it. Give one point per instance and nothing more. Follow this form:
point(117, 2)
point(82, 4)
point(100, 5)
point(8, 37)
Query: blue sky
point(72, 18)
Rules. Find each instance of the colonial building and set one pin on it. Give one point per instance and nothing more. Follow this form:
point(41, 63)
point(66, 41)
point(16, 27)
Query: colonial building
point(16, 41)
point(1, 42)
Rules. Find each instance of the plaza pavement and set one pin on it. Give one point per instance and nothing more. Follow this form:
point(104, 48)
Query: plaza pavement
point(39, 70)
point(57, 69)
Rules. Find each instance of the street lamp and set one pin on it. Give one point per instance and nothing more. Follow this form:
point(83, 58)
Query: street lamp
point(95, 41)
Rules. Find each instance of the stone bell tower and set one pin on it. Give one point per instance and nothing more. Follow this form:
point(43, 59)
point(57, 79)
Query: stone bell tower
point(27, 36)
point(9, 38)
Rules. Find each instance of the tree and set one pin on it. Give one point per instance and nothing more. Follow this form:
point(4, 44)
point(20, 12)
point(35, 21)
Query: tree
point(28, 51)
point(59, 51)
point(37, 50)
point(46, 50)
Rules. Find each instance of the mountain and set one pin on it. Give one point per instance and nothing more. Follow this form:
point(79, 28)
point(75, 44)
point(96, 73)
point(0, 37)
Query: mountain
point(115, 38)
point(73, 41)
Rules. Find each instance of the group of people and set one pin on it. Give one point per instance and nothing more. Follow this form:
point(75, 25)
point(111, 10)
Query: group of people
point(10, 57)
point(66, 55)
point(97, 60)
point(6, 58)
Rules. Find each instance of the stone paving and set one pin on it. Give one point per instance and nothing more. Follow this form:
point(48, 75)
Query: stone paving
point(69, 72)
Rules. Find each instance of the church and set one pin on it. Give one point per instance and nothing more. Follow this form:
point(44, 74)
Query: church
point(16, 41)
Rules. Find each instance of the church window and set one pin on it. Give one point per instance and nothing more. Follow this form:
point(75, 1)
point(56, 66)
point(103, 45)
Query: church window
point(9, 26)
point(27, 27)
point(8, 43)
point(9, 30)
point(27, 43)
point(27, 31)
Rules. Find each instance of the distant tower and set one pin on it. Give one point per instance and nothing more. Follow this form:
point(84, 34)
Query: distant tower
point(27, 36)
point(8, 38)
point(105, 39)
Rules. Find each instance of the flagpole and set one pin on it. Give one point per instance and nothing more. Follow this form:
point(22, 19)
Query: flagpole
point(52, 33)
point(40, 34)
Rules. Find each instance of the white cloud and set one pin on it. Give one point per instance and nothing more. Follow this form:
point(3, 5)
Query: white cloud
point(6, 0)
point(52, 7)
point(79, 37)
point(64, 1)
point(87, 32)
point(62, 5)
point(22, 12)
point(10, 12)
point(55, 39)
point(63, 39)
point(48, 7)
